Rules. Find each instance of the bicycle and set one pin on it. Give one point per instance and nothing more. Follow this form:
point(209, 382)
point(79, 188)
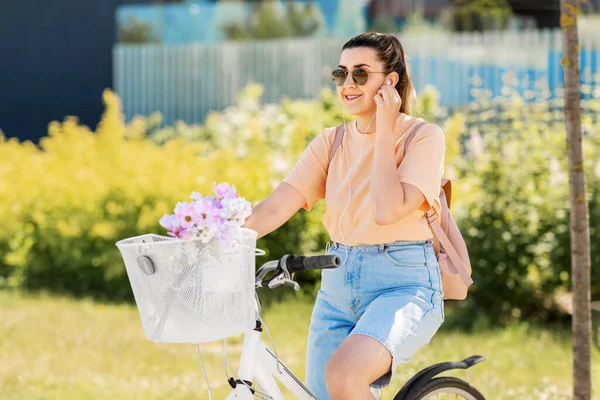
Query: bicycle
point(259, 366)
point(190, 292)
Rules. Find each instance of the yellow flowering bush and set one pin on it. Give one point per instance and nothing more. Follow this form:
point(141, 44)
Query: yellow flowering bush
point(77, 193)
point(68, 200)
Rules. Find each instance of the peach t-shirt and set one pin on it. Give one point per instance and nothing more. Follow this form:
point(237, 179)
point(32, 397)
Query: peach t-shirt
point(422, 166)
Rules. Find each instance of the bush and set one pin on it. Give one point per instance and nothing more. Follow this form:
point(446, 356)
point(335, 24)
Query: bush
point(77, 194)
point(516, 215)
point(72, 198)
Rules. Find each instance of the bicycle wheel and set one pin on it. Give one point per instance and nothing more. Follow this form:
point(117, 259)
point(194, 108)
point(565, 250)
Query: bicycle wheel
point(448, 388)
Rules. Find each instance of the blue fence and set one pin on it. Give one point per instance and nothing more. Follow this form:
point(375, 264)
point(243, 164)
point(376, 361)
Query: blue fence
point(185, 82)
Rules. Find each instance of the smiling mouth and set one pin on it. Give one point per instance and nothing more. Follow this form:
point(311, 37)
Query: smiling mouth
point(352, 97)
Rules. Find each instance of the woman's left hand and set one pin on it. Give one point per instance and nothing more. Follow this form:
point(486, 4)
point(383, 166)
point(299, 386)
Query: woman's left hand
point(388, 105)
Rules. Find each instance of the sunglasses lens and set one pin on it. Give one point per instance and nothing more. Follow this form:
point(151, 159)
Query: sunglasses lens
point(338, 76)
point(360, 76)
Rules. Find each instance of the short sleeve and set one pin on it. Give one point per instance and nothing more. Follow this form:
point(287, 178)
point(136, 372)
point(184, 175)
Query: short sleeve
point(423, 163)
point(309, 174)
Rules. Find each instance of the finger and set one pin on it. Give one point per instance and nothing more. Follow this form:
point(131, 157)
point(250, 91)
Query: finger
point(394, 95)
point(378, 99)
point(393, 92)
point(385, 94)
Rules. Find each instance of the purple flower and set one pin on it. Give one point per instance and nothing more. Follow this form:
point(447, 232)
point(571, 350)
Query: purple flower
point(169, 222)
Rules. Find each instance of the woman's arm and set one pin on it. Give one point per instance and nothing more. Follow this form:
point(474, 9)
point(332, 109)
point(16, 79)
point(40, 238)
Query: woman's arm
point(392, 199)
point(303, 186)
point(275, 210)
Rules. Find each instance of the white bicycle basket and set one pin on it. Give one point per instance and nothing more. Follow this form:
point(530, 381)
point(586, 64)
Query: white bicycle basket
point(187, 291)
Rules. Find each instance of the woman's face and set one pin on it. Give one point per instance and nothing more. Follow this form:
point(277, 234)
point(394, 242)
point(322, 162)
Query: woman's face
point(358, 100)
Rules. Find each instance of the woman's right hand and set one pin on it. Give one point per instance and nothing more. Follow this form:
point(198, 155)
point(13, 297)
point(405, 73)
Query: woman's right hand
point(275, 210)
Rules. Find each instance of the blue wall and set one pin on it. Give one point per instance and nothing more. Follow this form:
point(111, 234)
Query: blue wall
point(202, 21)
point(56, 59)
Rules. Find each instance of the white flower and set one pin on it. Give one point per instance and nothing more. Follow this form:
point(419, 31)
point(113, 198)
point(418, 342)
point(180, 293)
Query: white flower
point(206, 235)
point(476, 145)
point(196, 196)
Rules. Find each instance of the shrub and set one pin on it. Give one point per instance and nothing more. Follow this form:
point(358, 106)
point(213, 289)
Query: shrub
point(516, 214)
point(77, 194)
point(70, 199)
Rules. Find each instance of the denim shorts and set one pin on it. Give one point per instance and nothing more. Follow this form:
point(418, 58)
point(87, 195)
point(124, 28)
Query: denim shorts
point(389, 292)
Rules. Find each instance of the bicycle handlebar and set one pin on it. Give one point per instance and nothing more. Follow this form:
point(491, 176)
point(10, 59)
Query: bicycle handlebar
point(289, 264)
point(303, 263)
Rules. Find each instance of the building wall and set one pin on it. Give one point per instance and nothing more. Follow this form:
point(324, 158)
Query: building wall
point(202, 21)
point(56, 59)
point(546, 13)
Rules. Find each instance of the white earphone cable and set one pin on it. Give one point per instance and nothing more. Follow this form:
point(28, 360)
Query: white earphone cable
point(345, 149)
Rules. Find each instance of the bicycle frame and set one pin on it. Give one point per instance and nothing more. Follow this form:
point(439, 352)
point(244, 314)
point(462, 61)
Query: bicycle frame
point(259, 365)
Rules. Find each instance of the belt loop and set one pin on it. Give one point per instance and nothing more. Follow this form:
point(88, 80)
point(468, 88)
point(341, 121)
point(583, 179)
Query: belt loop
point(382, 247)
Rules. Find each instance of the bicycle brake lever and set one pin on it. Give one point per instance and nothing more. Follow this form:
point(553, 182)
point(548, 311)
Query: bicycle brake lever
point(265, 269)
point(292, 283)
point(280, 280)
point(282, 275)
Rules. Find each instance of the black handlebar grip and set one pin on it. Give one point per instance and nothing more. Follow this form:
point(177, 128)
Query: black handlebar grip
point(303, 263)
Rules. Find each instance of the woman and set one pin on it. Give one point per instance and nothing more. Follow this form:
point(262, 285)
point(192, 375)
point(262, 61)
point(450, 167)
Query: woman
point(385, 301)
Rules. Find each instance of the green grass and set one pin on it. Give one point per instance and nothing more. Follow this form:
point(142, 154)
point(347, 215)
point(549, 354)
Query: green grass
point(58, 348)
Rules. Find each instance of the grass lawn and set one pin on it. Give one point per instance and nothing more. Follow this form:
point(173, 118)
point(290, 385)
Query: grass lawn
point(59, 348)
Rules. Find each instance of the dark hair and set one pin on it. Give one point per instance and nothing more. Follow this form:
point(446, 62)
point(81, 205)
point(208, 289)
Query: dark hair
point(391, 54)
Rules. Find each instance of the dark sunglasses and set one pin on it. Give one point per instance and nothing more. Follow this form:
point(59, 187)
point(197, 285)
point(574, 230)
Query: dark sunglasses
point(359, 76)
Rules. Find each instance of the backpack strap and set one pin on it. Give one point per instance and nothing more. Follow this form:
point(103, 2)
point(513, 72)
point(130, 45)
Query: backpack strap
point(442, 231)
point(451, 252)
point(339, 135)
point(412, 134)
point(447, 186)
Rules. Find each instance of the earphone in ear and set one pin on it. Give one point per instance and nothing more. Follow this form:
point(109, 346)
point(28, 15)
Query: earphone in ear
point(388, 81)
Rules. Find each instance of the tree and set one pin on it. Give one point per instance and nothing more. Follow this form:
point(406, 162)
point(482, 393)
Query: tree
point(480, 15)
point(135, 31)
point(580, 233)
point(269, 21)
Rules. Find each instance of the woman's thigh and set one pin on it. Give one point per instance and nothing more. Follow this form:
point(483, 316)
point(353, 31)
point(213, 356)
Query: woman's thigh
point(358, 361)
point(402, 298)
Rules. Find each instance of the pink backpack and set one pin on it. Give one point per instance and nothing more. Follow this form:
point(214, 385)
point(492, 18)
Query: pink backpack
point(449, 245)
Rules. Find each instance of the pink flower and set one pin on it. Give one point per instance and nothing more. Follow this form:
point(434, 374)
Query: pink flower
point(206, 208)
point(223, 191)
point(211, 217)
point(186, 215)
point(180, 233)
point(173, 225)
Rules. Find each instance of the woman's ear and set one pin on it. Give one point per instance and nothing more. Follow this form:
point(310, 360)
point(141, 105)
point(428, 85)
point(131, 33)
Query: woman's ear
point(394, 78)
